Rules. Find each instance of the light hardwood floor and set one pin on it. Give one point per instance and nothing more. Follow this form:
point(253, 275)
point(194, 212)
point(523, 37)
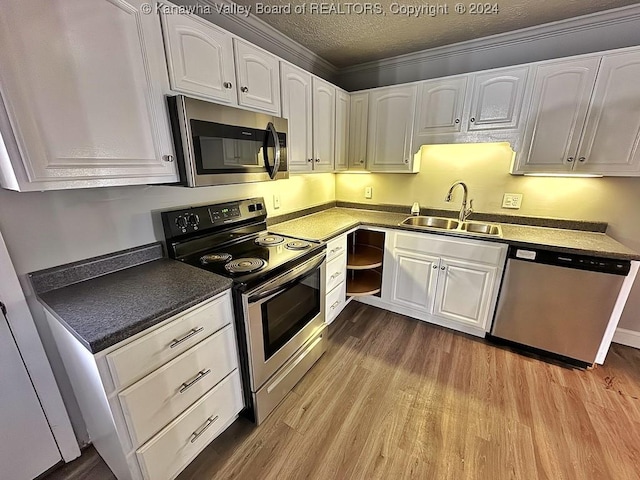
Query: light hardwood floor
point(395, 398)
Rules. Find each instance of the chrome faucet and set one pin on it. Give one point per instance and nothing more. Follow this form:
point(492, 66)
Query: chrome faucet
point(464, 211)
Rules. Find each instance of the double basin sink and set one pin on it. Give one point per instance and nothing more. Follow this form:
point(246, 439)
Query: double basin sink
point(453, 226)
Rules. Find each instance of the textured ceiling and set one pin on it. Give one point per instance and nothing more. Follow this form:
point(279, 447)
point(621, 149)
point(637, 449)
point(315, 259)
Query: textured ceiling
point(349, 39)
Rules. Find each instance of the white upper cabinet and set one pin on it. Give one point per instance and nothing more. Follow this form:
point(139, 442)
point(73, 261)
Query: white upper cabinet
point(199, 58)
point(611, 139)
point(258, 77)
point(496, 99)
point(324, 121)
point(390, 129)
point(358, 121)
point(558, 108)
point(440, 106)
point(83, 84)
point(297, 108)
point(343, 106)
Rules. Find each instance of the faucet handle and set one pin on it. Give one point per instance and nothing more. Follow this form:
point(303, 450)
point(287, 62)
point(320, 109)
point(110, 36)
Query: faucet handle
point(469, 210)
point(415, 208)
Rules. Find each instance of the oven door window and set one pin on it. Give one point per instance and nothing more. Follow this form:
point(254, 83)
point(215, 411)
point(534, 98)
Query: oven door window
point(220, 148)
point(288, 312)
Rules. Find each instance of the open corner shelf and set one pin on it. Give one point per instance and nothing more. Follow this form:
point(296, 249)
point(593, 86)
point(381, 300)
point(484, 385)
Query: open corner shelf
point(363, 282)
point(364, 257)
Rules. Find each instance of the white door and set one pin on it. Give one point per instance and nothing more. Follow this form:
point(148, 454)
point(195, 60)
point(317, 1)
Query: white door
point(258, 76)
point(358, 118)
point(440, 106)
point(561, 95)
point(496, 99)
point(342, 130)
point(390, 131)
point(200, 58)
point(296, 107)
point(413, 282)
point(464, 292)
point(83, 82)
point(324, 121)
point(28, 447)
point(611, 139)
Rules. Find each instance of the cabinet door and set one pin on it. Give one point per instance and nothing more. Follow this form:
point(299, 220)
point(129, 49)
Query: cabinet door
point(611, 139)
point(200, 58)
point(324, 121)
point(561, 95)
point(342, 130)
point(496, 99)
point(358, 119)
point(83, 84)
point(413, 282)
point(390, 131)
point(440, 105)
point(296, 107)
point(258, 76)
point(464, 292)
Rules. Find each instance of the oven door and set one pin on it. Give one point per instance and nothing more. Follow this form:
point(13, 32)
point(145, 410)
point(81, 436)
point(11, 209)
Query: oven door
point(281, 315)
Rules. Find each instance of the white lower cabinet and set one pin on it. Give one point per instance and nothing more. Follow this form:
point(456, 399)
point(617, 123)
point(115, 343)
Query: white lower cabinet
point(336, 285)
point(152, 402)
point(449, 281)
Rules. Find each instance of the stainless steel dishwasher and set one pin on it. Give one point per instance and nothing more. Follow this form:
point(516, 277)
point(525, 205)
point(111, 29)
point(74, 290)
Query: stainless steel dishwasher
point(558, 303)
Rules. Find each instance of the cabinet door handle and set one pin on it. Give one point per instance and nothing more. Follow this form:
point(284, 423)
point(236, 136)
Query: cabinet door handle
point(570, 159)
point(335, 275)
point(361, 161)
point(473, 119)
point(443, 267)
point(309, 160)
point(457, 120)
point(334, 250)
point(317, 160)
point(435, 267)
point(244, 89)
point(582, 159)
point(168, 158)
point(178, 341)
point(335, 304)
point(210, 421)
point(227, 84)
point(187, 385)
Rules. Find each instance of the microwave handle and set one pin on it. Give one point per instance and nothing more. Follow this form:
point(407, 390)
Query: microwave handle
point(276, 149)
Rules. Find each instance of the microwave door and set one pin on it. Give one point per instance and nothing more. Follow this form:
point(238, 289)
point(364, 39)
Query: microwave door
point(272, 134)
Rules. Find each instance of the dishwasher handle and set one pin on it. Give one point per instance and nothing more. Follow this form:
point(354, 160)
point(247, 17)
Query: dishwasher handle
point(570, 260)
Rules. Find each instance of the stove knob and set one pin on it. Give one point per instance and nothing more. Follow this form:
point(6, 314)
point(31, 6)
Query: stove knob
point(193, 219)
point(181, 222)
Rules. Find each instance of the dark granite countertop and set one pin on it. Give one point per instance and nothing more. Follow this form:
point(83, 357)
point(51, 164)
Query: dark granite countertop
point(329, 223)
point(107, 309)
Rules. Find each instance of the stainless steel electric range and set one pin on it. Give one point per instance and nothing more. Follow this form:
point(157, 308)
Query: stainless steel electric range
point(278, 291)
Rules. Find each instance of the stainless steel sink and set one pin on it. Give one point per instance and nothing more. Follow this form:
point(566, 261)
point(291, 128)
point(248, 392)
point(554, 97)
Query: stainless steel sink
point(431, 222)
point(481, 227)
point(454, 226)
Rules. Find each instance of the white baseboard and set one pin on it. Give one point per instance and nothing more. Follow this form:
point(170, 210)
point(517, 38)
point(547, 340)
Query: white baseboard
point(626, 337)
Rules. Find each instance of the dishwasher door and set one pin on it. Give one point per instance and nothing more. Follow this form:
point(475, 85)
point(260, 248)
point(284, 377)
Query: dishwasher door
point(554, 308)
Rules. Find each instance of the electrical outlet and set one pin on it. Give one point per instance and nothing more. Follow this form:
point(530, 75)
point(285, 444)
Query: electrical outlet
point(368, 192)
point(512, 200)
point(276, 201)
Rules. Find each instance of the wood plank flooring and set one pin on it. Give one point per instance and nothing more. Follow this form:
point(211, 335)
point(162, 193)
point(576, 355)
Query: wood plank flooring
point(396, 398)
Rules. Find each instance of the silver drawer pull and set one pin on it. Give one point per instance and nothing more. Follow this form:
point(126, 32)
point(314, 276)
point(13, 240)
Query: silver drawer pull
point(210, 421)
point(187, 385)
point(335, 304)
point(178, 341)
point(334, 250)
point(335, 275)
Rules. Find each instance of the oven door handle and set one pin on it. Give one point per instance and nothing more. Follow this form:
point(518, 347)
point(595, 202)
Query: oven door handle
point(283, 282)
point(276, 148)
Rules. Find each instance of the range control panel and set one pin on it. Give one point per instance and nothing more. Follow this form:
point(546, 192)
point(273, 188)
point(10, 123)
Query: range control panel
point(193, 220)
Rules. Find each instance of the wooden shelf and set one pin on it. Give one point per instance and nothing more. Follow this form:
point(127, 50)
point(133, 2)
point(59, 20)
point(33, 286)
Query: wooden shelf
point(363, 282)
point(364, 257)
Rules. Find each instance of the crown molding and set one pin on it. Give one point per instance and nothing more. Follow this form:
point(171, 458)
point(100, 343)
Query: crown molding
point(256, 31)
point(574, 36)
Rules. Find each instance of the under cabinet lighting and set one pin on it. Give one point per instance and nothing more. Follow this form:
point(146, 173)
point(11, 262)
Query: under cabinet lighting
point(564, 175)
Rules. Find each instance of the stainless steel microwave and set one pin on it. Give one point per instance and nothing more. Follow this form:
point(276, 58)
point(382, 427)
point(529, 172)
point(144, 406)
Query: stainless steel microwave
point(219, 145)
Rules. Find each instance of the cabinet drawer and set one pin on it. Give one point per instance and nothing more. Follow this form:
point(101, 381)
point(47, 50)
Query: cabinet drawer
point(336, 271)
point(136, 359)
point(336, 246)
point(165, 455)
point(335, 302)
point(154, 401)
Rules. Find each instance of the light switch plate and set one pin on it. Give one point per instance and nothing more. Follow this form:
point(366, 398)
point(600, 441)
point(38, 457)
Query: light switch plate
point(512, 200)
point(276, 201)
point(368, 192)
